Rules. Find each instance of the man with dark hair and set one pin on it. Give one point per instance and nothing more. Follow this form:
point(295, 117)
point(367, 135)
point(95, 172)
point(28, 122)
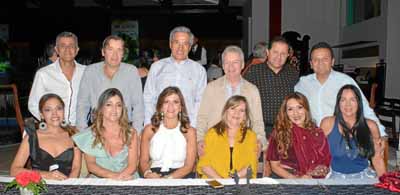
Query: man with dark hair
point(322, 86)
point(111, 73)
point(274, 79)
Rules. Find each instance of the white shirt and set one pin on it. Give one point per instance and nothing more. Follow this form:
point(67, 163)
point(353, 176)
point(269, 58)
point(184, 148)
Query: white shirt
point(168, 148)
point(322, 97)
point(51, 79)
point(203, 59)
point(189, 76)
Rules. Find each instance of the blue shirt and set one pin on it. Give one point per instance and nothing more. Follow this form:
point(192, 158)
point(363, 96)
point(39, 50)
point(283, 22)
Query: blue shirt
point(322, 97)
point(189, 76)
point(345, 159)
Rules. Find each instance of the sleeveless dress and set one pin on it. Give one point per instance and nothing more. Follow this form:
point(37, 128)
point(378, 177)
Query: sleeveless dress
point(346, 162)
point(168, 149)
point(42, 160)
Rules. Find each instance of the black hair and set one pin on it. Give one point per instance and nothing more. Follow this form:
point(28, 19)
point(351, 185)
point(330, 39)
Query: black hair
point(360, 130)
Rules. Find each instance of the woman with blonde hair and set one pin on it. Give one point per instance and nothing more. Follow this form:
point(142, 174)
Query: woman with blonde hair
point(297, 147)
point(110, 145)
point(230, 146)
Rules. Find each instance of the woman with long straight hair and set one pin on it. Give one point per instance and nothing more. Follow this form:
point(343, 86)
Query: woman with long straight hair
point(353, 139)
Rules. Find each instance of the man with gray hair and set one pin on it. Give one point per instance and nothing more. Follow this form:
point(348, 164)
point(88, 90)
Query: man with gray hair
point(177, 70)
point(62, 77)
point(259, 56)
point(218, 91)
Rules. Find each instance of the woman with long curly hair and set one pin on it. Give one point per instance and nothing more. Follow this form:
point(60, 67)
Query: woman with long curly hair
point(50, 148)
point(353, 139)
point(110, 145)
point(297, 148)
point(168, 144)
point(230, 146)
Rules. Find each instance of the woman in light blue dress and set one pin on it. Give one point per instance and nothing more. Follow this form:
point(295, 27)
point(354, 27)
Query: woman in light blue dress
point(110, 145)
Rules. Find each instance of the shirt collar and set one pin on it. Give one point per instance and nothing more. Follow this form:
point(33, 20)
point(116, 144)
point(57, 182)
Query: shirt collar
point(178, 63)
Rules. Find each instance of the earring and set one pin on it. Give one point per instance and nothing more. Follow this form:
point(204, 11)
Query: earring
point(162, 115)
point(42, 125)
point(180, 116)
point(64, 123)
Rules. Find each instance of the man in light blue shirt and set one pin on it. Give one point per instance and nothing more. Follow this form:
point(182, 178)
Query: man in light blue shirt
point(177, 70)
point(322, 87)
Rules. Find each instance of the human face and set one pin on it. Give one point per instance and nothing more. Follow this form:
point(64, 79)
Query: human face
point(180, 46)
point(296, 112)
point(171, 106)
point(348, 103)
point(113, 53)
point(235, 115)
point(67, 49)
point(322, 61)
point(52, 112)
point(232, 65)
point(277, 55)
point(112, 109)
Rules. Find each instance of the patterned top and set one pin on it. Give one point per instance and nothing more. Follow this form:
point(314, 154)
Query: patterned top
point(273, 89)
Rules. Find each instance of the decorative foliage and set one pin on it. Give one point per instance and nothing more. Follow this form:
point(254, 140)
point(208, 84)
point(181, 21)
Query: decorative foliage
point(30, 180)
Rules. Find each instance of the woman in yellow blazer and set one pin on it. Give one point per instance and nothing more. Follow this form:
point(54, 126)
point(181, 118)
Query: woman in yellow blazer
point(230, 145)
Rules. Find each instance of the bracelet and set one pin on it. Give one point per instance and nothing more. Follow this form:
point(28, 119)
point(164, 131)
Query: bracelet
point(147, 171)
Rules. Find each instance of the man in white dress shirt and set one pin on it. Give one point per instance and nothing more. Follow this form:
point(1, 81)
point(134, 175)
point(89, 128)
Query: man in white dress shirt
point(322, 86)
point(61, 77)
point(177, 70)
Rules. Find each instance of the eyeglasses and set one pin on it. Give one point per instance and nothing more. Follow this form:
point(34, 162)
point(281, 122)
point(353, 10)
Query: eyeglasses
point(183, 44)
point(64, 47)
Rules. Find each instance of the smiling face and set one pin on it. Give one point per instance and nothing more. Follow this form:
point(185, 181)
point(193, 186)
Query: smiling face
point(180, 46)
point(112, 109)
point(322, 61)
point(52, 112)
point(277, 55)
point(235, 115)
point(232, 65)
point(296, 112)
point(348, 103)
point(113, 52)
point(171, 106)
point(67, 49)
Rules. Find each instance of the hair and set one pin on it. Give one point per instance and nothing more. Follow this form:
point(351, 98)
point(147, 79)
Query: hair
point(360, 130)
point(233, 49)
point(183, 29)
point(322, 45)
point(278, 39)
point(259, 50)
point(69, 129)
point(283, 126)
point(156, 119)
point(67, 35)
point(49, 50)
point(107, 40)
point(233, 102)
point(98, 127)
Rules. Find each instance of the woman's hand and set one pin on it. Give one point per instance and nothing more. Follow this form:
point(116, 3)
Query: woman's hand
point(56, 175)
point(152, 175)
point(319, 171)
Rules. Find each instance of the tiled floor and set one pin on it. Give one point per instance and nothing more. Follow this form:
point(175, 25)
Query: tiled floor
point(7, 154)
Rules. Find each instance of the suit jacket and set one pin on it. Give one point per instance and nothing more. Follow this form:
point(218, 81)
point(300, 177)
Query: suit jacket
point(213, 101)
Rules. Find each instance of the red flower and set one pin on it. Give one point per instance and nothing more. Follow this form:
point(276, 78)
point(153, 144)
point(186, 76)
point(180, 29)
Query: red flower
point(23, 178)
point(35, 176)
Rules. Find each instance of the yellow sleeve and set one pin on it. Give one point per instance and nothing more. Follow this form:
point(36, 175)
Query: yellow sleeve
point(209, 143)
point(253, 156)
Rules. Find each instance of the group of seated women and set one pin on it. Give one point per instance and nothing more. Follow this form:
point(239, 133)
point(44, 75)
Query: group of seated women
point(343, 147)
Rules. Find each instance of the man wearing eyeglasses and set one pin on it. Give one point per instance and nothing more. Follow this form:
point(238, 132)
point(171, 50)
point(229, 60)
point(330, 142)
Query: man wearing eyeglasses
point(177, 70)
point(62, 77)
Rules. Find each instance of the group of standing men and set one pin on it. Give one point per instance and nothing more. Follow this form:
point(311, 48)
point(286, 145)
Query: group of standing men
point(265, 85)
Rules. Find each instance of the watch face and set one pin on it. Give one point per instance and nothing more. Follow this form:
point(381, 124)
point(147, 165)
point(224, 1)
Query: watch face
point(215, 184)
